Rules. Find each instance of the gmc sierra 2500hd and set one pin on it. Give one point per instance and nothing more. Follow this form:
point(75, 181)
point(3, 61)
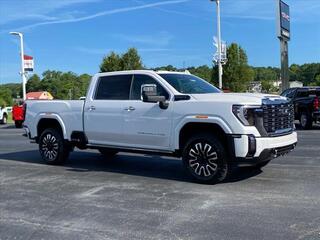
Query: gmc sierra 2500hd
point(167, 113)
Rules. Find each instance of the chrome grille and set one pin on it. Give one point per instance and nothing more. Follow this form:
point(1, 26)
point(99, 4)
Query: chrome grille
point(278, 118)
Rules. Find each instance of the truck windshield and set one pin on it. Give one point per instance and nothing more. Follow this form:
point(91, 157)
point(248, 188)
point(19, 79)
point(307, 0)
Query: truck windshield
point(189, 84)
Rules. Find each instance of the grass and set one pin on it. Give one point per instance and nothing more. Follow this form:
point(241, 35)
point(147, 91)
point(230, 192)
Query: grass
point(10, 117)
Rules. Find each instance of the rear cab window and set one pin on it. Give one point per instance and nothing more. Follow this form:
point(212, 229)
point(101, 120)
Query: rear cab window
point(113, 87)
point(308, 93)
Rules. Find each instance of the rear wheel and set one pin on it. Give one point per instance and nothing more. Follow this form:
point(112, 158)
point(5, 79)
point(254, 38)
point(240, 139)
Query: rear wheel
point(205, 159)
point(52, 147)
point(18, 124)
point(305, 120)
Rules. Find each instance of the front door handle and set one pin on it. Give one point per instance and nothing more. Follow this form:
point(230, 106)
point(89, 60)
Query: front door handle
point(92, 108)
point(129, 109)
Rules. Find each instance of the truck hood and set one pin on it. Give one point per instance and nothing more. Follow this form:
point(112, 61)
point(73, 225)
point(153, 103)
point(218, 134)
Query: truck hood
point(237, 98)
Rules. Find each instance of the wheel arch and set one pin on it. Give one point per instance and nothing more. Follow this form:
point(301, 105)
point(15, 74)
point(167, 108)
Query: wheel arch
point(51, 122)
point(190, 128)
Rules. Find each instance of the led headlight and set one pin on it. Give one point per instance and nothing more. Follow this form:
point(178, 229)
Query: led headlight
point(246, 114)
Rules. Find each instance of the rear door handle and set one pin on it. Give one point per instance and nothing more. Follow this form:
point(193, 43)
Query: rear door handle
point(129, 109)
point(92, 108)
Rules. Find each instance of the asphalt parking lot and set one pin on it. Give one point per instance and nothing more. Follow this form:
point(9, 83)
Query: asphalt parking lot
point(150, 197)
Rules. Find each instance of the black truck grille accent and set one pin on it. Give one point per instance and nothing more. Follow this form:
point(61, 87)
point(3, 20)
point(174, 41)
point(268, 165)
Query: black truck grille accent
point(278, 118)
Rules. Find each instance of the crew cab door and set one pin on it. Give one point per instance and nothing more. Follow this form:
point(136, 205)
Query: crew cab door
point(103, 111)
point(146, 125)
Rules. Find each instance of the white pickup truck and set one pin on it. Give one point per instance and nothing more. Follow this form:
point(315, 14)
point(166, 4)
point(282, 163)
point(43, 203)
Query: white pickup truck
point(3, 115)
point(166, 113)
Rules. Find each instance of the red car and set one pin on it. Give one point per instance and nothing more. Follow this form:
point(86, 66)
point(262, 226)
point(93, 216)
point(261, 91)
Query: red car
point(18, 114)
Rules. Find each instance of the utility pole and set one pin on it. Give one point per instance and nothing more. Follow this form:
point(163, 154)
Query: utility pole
point(284, 64)
point(219, 60)
point(23, 73)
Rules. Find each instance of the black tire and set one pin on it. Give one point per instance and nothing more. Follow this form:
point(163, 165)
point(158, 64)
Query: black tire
point(4, 119)
point(52, 147)
point(107, 153)
point(205, 159)
point(305, 120)
point(18, 124)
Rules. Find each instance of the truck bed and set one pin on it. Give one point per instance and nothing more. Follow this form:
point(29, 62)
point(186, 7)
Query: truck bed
point(68, 113)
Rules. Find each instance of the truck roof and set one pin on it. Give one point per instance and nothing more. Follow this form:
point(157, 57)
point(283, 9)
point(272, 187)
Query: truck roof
point(308, 87)
point(140, 72)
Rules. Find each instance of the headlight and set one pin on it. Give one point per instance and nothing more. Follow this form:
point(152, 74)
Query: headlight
point(246, 114)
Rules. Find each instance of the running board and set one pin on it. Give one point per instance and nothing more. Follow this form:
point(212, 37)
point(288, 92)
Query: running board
point(133, 150)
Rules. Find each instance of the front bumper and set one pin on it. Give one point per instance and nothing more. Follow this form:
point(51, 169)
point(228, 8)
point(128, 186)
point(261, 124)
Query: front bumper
point(247, 150)
point(26, 132)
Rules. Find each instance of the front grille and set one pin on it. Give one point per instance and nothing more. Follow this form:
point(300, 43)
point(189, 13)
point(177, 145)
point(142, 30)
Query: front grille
point(278, 118)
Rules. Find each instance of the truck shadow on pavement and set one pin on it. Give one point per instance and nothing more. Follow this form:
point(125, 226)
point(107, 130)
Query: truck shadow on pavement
point(128, 164)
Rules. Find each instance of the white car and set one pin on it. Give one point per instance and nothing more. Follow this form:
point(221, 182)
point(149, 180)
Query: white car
point(167, 113)
point(3, 115)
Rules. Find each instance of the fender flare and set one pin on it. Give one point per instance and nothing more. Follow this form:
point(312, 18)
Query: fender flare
point(55, 117)
point(193, 119)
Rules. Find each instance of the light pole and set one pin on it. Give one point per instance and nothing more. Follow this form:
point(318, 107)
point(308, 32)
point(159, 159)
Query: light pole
point(23, 73)
point(219, 42)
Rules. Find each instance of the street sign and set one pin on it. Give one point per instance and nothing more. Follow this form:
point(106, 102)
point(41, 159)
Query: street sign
point(223, 51)
point(283, 18)
point(28, 63)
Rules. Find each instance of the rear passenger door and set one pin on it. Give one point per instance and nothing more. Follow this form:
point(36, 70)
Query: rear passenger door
point(103, 112)
point(146, 125)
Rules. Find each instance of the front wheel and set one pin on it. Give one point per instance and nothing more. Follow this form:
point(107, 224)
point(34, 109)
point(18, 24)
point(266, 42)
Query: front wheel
point(205, 159)
point(52, 147)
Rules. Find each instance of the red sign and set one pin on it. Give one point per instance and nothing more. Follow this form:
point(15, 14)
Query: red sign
point(28, 63)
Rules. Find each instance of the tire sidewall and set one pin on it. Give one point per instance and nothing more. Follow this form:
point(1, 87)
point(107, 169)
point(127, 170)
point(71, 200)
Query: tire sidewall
point(4, 119)
point(307, 123)
point(62, 151)
point(222, 168)
point(18, 124)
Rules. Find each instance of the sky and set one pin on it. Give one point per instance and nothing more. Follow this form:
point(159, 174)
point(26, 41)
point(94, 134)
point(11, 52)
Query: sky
point(74, 35)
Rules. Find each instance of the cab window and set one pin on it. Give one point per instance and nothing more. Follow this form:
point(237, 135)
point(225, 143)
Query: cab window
point(113, 87)
point(139, 80)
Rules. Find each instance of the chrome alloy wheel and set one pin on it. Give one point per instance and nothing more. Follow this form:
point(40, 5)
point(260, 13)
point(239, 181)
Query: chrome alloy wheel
point(203, 159)
point(50, 147)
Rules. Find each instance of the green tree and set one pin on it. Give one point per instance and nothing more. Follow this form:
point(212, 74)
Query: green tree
point(65, 85)
point(309, 72)
point(266, 73)
point(5, 96)
point(166, 68)
point(237, 72)
point(131, 60)
point(34, 83)
point(203, 72)
point(111, 63)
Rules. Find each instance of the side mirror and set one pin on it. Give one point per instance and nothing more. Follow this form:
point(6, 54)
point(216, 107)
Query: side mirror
point(149, 94)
